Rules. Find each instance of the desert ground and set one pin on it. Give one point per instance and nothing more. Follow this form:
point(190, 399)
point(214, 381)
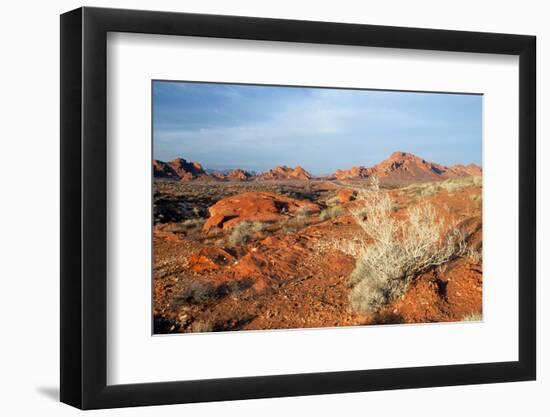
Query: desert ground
point(240, 251)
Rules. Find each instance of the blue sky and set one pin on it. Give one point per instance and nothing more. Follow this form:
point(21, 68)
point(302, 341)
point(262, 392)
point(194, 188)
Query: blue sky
point(256, 127)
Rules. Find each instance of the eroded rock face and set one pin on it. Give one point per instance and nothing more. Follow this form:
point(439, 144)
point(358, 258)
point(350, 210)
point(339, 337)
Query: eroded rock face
point(238, 175)
point(352, 173)
point(233, 175)
point(345, 195)
point(404, 165)
point(210, 259)
point(178, 168)
point(286, 173)
point(163, 170)
point(255, 206)
point(460, 170)
point(187, 170)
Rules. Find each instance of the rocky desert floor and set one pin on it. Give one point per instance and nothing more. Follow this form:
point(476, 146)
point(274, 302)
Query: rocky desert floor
point(257, 255)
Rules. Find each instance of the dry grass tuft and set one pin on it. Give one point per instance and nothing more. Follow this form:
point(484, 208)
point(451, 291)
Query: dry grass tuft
point(330, 212)
point(244, 231)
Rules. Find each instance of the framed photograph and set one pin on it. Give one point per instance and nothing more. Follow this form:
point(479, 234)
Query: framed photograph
point(256, 208)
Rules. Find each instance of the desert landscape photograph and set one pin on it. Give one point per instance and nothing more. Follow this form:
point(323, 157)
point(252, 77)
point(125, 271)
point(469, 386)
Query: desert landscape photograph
point(281, 207)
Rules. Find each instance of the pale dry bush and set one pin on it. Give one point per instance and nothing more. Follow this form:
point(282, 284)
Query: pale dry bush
point(333, 201)
point(400, 249)
point(330, 212)
point(305, 211)
point(301, 219)
point(293, 224)
point(473, 317)
point(201, 326)
point(244, 231)
point(474, 255)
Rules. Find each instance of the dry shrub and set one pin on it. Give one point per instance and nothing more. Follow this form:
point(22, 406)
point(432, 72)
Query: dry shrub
point(304, 211)
point(333, 201)
point(293, 224)
point(201, 326)
point(243, 232)
point(473, 317)
point(474, 256)
point(330, 212)
point(400, 250)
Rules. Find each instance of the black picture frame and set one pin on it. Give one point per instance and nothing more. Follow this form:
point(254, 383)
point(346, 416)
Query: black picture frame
point(84, 207)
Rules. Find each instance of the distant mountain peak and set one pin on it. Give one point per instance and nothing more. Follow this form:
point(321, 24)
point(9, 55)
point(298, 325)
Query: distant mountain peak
point(283, 172)
point(402, 167)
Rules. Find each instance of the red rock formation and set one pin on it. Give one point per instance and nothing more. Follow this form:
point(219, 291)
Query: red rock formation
point(163, 170)
point(404, 167)
point(286, 173)
point(352, 173)
point(345, 195)
point(238, 175)
point(254, 206)
point(210, 259)
point(234, 175)
point(464, 171)
point(407, 166)
point(187, 170)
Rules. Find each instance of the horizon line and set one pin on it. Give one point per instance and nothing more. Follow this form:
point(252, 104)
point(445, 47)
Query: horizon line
point(283, 165)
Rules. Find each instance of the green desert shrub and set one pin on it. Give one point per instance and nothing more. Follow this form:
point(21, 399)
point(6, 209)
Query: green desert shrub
point(399, 250)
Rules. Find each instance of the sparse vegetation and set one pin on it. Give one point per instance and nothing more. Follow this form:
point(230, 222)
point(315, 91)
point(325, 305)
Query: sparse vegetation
point(197, 292)
point(304, 211)
point(292, 224)
point(451, 185)
point(244, 231)
point(201, 326)
point(333, 201)
point(473, 317)
point(399, 251)
point(474, 255)
point(330, 212)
